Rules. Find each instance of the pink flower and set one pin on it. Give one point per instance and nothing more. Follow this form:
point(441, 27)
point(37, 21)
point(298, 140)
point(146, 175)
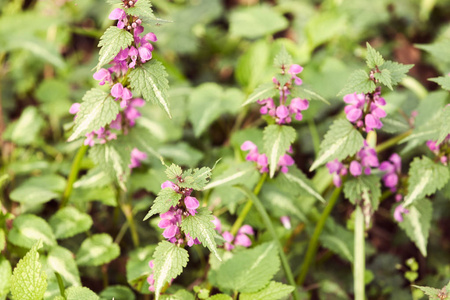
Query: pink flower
point(355, 168)
point(286, 221)
point(398, 213)
point(117, 90)
point(75, 108)
point(136, 158)
point(294, 70)
point(284, 162)
point(191, 204)
point(103, 75)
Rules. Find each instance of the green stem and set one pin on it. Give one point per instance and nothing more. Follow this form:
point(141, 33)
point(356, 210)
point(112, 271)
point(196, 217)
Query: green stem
point(392, 141)
point(314, 135)
point(314, 242)
point(125, 205)
point(73, 175)
point(238, 223)
point(269, 225)
point(60, 285)
point(359, 265)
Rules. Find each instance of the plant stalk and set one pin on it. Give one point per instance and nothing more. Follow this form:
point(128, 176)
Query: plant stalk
point(392, 141)
point(125, 205)
point(360, 263)
point(314, 242)
point(73, 175)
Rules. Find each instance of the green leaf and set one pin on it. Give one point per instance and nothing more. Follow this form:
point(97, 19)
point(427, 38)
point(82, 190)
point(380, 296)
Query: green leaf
point(233, 175)
point(114, 158)
point(2, 240)
point(94, 178)
point(117, 292)
point(439, 49)
point(137, 268)
point(273, 291)
point(166, 198)
point(283, 59)
point(256, 21)
point(174, 171)
point(425, 178)
point(105, 195)
point(112, 41)
point(220, 297)
point(417, 223)
point(443, 81)
point(341, 140)
point(143, 10)
point(358, 82)
point(339, 240)
point(250, 270)
point(5, 275)
point(97, 109)
point(25, 131)
point(201, 227)
point(397, 71)
point(364, 187)
point(97, 250)
point(28, 229)
point(29, 281)
point(150, 80)
point(445, 124)
point(40, 189)
point(179, 295)
point(196, 179)
point(61, 260)
point(264, 91)
point(374, 58)
point(277, 140)
point(385, 78)
point(78, 292)
point(297, 180)
point(433, 293)
point(302, 92)
point(169, 261)
point(69, 221)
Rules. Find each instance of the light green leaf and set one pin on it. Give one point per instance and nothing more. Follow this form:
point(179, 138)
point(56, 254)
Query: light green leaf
point(77, 293)
point(369, 185)
point(112, 41)
point(425, 178)
point(97, 250)
point(2, 240)
point(433, 293)
point(201, 227)
point(297, 180)
point(250, 270)
point(220, 297)
point(385, 78)
point(339, 240)
point(143, 10)
point(166, 198)
point(256, 21)
point(29, 281)
point(69, 221)
point(38, 190)
point(233, 175)
point(169, 261)
point(61, 261)
point(179, 295)
point(273, 291)
point(397, 71)
point(443, 81)
point(196, 179)
point(5, 275)
point(374, 58)
point(150, 80)
point(283, 59)
point(181, 153)
point(25, 130)
point(117, 292)
point(28, 229)
point(173, 171)
point(97, 109)
point(138, 269)
point(94, 178)
point(277, 140)
point(264, 91)
point(341, 140)
point(302, 92)
point(439, 49)
point(358, 82)
point(417, 223)
point(445, 125)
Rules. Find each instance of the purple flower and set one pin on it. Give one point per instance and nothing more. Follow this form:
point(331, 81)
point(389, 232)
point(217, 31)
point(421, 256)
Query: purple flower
point(191, 204)
point(228, 237)
point(75, 108)
point(297, 106)
point(171, 185)
point(284, 162)
point(398, 213)
point(355, 168)
point(336, 168)
point(286, 221)
point(217, 224)
point(263, 163)
point(242, 240)
point(282, 113)
point(392, 167)
point(117, 90)
point(102, 75)
point(253, 154)
point(293, 71)
point(136, 158)
point(268, 107)
point(117, 14)
point(246, 229)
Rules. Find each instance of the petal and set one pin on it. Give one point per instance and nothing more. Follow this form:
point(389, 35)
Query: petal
point(354, 114)
point(355, 168)
point(117, 90)
point(248, 145)
point(191, 202)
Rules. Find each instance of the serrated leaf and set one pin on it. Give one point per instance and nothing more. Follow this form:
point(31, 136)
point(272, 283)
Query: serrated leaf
point(233, 175)
point(303, 93)
point(425, 178)
point(117, 292)
point(341, 140)
point(97, 109)
point(250, 270)
point(61, 260)
point(166, 198)
point(196, 179)
point(283, 58)
point(385, 78)
point(97, 250)
point(273, 291)
point(5, 275)
point(417, 223)
point(29, 281)
point(201, 227)
point(150, 80)
point(445, 125)
point(358, 82)
point(28, 229)
point(173, 171)
point(169, 261)
point(112, 41)
point(143, 10)
point(264, 91)
point(443, 81)
point(277, 140)
point(298, 180)
point(69, 221)
point(374, 58)
point(78, 292)
point(397, 71)
point(355, 189)
point(432, 293)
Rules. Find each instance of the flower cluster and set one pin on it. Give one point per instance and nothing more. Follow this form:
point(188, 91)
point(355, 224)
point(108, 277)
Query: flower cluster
point(364, 110)
point(241, 238)
point(171, 220)
point(441, 150)
point(261, 159)
point(392, 169)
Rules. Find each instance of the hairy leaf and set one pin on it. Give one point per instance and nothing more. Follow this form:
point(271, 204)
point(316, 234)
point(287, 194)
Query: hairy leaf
point(112, 41)
point(201, 227)
point(61, 260)
point(264, 91)
point(233, 175)
point(166, 198)
point(179, 295)
point(355, 189)
point(97, 250)
point(397, 71)
point(143, 10)
point(69, 221)
point(445, 124)
point(169, 261)
point(196, 179)
point(173, 171)
point(358, 82)
point(273, 291)
point(341, 140)
point(29, 281)
point(385, 78)
point(374, 58)
point(283, 59)
point(277, 140)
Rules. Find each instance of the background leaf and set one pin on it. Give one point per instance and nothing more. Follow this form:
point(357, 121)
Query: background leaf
point(69, 221)
point(97, 250)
